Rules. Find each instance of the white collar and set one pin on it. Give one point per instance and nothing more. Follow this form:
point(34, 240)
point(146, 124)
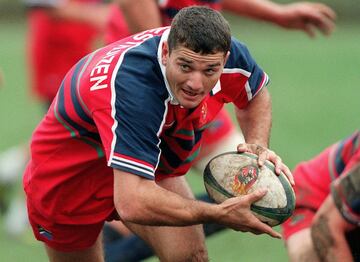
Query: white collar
point(164, 37)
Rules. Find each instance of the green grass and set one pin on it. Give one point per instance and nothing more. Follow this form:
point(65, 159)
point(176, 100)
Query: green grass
point(315, 90)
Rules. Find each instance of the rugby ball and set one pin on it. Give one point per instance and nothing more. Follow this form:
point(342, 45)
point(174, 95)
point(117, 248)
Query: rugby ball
point(234, 174)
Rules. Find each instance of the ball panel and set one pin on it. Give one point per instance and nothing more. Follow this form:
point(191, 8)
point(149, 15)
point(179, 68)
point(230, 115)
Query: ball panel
point(214, 189)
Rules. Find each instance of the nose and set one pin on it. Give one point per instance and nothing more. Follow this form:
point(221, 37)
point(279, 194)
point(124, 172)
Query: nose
point(195, 81)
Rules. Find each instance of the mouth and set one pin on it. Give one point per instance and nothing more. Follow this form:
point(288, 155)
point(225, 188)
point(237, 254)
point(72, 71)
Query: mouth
point(190, 93)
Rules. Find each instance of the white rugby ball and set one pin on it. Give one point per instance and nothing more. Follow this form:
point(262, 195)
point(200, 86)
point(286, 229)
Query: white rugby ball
point(235, 174)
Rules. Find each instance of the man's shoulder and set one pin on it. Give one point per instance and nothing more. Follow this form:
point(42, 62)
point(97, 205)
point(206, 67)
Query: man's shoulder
point(240, 56)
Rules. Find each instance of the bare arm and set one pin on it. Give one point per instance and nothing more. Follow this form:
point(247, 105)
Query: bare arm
point(93, 14)
point(142, 201)
point(140, 15)
point(328, 233)
point(255, 122)
point(303, 16)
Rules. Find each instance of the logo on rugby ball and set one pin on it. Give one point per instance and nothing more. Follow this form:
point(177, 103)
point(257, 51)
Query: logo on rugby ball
point(245, 179)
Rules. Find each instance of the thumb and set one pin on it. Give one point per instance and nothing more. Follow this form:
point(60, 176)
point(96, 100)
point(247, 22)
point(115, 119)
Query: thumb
point(256, 195)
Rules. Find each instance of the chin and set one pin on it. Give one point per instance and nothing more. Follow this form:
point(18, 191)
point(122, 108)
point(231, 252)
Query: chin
point(189, 105)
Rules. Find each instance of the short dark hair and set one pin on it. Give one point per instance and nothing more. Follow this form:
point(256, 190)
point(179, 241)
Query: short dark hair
point(201, 29)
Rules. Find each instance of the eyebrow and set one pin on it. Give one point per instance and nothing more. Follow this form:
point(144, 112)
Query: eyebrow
point(191, 61)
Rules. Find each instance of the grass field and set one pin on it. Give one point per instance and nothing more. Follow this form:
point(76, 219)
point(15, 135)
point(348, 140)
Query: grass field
point(315, 90)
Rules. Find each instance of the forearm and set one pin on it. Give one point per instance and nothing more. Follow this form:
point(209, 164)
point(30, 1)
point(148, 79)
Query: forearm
point(95, 15)
point(257, 9)
point(151, 204)
point(140, 15)
point(328, 233)
point(255, 120)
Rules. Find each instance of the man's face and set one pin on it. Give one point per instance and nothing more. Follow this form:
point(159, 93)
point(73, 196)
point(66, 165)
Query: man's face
point(191, 75)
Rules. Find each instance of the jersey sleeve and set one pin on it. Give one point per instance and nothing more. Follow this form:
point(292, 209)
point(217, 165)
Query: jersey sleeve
point(130, 130)
point(346, 193)
point(345, 188)
point(242, 78)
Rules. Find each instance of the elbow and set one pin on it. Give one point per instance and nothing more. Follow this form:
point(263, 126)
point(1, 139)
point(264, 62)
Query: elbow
point(130, 211)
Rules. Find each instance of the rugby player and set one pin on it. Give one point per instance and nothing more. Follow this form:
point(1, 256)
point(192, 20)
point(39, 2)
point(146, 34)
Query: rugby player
point(124, 128)
point(326, 220)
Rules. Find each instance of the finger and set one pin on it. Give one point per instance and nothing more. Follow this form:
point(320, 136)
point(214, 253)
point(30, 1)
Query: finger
point(324, 24)
point(242, 148)
point(321, 20)
point(254, 196)
point(288, 174)
point(262, 157)
point(259, 227)
point(268, 230)
point(326, 10)
point(278, 165)
point(276, 160)
point(309, 30)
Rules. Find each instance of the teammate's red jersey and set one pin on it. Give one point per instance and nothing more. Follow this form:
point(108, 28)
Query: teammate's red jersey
point(54, 46)
point(314, 177)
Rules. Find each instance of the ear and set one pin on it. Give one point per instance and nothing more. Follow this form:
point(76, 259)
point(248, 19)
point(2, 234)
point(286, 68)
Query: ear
point(226, 57)
point(164, 53)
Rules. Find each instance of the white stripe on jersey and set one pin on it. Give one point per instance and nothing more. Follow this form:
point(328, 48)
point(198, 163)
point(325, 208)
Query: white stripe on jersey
point(236, 70)
point(216, 88)
point(248, 90)
point(118, 163)
point(134, 163)
point(164, 37)
point(263, 83)
point(113, 99)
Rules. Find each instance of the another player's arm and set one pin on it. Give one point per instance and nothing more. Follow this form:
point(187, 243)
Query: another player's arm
point(142, 201)
point(303, 16)
point(140, 15)
point(328, 233)
point(94, 14)
point(340, 213)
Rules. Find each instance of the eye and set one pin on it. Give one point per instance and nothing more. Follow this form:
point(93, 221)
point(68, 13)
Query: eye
point(210, 71)
point(185, 67)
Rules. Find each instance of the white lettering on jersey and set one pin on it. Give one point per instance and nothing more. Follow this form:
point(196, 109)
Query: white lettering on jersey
point(99, 74)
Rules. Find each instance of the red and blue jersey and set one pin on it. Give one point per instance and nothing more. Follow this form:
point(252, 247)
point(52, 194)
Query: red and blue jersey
point(343, 155)
point(313, 177)
point(313, 180)
point(115, 109)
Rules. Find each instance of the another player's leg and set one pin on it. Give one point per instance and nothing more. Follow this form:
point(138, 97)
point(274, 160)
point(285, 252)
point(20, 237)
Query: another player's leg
point(91, 254)
point(175, 243)
point(300, 247)
point(311, 188)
